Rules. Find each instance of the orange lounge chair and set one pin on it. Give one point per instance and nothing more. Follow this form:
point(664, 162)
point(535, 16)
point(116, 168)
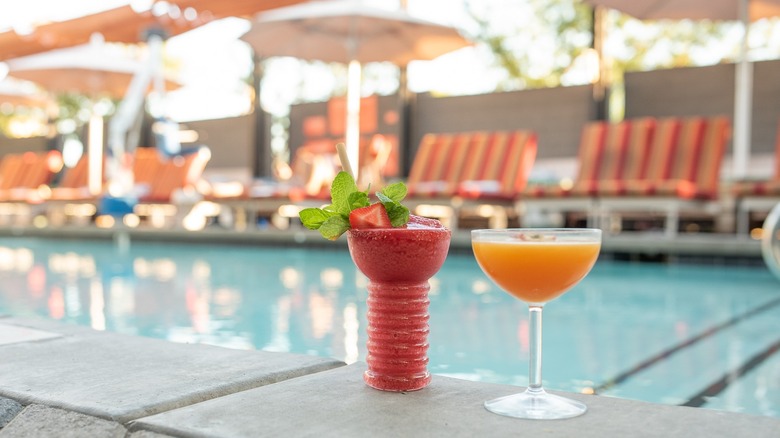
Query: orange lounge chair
point(438, 162)
point(504, 173)
point(70, 198)
point(496, 191)
point(24, 180)
point(25, 175)
point(453, 174)
point(600, 142)
point(174, 174)
point(629, 163)
point(683, 176)
point(157, 179)
point(9, 171)
point(312, 169)
point(305, 181)
point(170, 183)
point(74, 183)
point(757, 196)
point(590, 150)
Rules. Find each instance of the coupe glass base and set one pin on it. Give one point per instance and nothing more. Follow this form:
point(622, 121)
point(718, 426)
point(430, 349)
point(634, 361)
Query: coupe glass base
point(536, 406)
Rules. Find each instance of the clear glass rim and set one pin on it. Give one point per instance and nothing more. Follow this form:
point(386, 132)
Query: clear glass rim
point(593, 232)
point(543, 230)
point(537, 235)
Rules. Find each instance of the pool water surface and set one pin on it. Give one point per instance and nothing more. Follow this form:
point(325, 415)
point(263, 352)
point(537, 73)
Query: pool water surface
point(682, 334)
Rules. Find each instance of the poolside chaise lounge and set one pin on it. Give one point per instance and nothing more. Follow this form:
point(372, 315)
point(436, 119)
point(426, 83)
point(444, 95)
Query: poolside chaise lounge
point(70, 197)
point(22, 174)
point(305, 182)
point(451, 172)
point(481, 173)
point(609, 153)
point(682, 175)
point(24, 178)
point(757, 195)
point(168, 184)
point(157, 180)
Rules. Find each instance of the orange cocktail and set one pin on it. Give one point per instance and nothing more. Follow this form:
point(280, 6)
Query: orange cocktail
point(536, 265)
point(536, 271)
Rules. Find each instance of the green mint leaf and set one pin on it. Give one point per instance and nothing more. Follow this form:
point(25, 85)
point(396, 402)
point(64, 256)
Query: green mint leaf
point(358, 200)
point(333, 227)
point(384, 198)
point(396, 192)
point(333, 220)
point(343, 186)
point(312, 218)
point(398, 214)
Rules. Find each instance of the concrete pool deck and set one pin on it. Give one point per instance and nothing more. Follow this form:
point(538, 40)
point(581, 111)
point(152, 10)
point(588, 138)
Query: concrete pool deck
point(60, 380)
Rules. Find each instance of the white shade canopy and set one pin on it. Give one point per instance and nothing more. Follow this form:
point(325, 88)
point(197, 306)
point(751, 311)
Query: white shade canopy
point(94, 69)
point(344, 31)
point(692, 9)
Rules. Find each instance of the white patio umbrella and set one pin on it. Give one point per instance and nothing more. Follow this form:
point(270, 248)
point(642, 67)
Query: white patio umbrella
point(346, 31)
point(18, 93)
point(96, 70)
point(744, 11)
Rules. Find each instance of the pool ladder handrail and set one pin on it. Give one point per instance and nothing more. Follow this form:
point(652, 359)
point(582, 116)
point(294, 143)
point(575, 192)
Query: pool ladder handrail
point(770, 241)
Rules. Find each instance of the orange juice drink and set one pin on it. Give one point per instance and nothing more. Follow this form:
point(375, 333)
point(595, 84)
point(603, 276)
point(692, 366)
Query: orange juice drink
point(536, 271)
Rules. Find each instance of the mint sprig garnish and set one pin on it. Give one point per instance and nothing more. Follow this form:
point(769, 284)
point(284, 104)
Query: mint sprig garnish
point(343, 186)
point(333, 220)
point(391, 196)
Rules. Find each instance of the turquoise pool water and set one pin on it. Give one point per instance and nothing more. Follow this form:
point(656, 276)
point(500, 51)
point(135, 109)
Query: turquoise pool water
point(701, 335)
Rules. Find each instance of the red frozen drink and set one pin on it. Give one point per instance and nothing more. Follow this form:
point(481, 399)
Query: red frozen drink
point(398, 252)
point(398, 263)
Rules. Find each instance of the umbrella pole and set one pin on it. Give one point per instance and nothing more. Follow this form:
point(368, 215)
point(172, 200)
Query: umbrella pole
point(95, 154)
point(353, 117)
point(743, 89)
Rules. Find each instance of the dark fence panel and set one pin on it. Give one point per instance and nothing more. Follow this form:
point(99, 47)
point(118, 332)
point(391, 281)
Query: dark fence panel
point(556, 114)
point(707, 91)
point(231, 140)
point(17, 145)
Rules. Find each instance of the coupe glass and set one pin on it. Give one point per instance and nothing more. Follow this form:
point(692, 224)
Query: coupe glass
point(536, 265)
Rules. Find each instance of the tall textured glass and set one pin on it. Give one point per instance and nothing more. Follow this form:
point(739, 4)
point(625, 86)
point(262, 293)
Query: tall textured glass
point(536, 265)
point(398, 263)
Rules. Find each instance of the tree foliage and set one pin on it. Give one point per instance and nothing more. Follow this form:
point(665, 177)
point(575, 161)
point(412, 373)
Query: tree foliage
point(632, 44)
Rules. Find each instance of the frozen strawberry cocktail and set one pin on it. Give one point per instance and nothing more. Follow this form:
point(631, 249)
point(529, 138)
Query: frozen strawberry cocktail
point(399, 253)
point(407, 254)
point(398, 262)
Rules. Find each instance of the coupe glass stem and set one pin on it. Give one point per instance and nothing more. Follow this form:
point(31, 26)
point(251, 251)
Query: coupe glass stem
point(535, 356)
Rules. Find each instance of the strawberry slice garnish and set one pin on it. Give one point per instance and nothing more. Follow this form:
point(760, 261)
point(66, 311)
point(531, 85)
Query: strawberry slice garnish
point(373, 216)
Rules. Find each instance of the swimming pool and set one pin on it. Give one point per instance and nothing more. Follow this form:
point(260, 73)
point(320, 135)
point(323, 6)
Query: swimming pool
point(700, 335)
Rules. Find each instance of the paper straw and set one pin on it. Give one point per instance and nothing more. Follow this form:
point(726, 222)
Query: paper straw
point(342, 150)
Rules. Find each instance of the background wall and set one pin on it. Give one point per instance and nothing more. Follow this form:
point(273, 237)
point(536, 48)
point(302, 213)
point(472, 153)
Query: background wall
point(556, 114)
point(708, 91)
point(232, 144)
point(16, 145)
